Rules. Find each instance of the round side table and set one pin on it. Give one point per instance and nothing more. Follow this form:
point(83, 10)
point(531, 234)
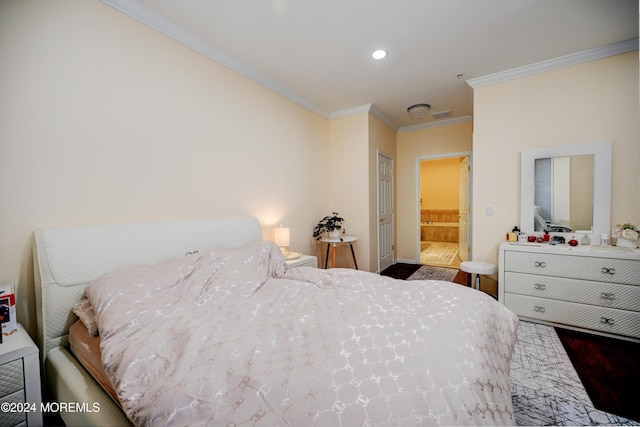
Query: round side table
point(334, 243)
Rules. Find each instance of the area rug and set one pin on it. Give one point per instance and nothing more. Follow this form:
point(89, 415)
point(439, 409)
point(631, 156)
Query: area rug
point(427, 272)
point(438, 253)
point(545, 387)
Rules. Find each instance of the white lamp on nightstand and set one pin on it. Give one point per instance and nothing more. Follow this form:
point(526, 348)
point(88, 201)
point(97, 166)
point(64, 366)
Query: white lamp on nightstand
point(282, 237)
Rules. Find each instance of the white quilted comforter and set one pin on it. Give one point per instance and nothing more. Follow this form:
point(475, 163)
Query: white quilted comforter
point(235, 337)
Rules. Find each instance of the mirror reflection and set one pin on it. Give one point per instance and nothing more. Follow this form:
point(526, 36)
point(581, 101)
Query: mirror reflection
point(563, 193)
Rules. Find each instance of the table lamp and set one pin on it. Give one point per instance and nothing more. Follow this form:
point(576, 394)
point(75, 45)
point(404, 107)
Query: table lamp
point(282, 237)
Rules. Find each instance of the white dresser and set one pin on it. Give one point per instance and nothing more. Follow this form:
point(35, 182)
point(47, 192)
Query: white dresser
point(591, 288)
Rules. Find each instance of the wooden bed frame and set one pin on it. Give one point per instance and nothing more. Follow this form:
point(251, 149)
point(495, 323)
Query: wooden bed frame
point(66, 259)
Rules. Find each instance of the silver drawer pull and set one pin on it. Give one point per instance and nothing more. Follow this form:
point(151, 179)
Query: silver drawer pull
point(607, 295)
point(607, 321)
point(608, 270)
point(538, 309)
point(540, 264)
point(539, 286)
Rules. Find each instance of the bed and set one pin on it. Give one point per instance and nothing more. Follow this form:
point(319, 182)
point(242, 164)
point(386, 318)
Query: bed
point(203, 323)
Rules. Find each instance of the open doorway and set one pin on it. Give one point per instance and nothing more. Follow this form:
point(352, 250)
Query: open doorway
point(444, 210)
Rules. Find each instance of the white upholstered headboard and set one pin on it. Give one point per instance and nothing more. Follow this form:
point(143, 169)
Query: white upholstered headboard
point(66, 259)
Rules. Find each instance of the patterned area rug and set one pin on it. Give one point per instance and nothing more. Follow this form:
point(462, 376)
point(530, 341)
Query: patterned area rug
point(545, 387)
point(427, 272)
point(440, 253)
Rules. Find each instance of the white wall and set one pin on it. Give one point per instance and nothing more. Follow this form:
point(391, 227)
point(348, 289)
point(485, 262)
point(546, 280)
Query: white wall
point(104, 120)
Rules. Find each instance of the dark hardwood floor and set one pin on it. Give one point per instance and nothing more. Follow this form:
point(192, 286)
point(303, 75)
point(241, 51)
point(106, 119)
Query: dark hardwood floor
point(608, 368)
point(402, 270)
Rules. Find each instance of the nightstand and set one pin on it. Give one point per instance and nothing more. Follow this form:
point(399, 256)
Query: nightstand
point(20, 380)
point(303, 261)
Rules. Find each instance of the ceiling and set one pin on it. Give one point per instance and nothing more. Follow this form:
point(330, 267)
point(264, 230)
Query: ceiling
point(318, 53)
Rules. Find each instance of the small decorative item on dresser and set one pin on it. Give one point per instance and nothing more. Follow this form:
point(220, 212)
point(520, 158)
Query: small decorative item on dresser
point(330, 225)
point(628, 237)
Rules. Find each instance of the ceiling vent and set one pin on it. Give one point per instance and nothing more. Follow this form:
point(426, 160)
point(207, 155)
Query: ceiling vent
point(442, 114)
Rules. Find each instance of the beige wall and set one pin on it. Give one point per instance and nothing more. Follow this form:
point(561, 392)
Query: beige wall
point(411, 146)
point(351, 176)
point(440, 184)
point(589, 102)
point(346, 180)
point(103, 120)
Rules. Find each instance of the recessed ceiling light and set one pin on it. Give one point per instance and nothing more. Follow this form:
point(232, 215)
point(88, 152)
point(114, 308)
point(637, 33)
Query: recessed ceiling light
point(379, 54)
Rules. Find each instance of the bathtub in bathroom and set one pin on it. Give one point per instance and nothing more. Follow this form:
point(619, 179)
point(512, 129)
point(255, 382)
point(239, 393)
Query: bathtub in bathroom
point(439, 231)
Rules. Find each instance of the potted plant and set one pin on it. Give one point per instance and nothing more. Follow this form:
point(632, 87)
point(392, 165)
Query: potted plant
point(330, 225)
point(628, 236)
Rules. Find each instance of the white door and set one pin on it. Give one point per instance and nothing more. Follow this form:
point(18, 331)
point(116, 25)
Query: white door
point(463, 225)
point(386, 254)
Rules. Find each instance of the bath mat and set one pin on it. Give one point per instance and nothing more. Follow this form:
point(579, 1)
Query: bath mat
point(427, 272)
point(438, 253)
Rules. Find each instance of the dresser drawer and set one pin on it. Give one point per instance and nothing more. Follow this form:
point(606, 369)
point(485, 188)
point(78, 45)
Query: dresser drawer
point(612, 295)
point(578, 267)
point(12, 377)
point(609, 320)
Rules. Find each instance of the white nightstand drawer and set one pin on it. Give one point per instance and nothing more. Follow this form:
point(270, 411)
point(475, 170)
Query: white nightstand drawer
point(12, 375)
point(20, 378)
point(304, 261)
point(15, 418)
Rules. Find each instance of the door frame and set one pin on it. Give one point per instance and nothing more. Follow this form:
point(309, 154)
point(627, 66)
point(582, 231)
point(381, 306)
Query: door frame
point(417, 199)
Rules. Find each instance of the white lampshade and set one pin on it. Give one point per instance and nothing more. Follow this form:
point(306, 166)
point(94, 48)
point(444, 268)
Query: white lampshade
point(281, 236)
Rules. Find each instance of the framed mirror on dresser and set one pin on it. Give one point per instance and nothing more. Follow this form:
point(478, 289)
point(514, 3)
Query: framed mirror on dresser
point(574, 180)
point(592, 288)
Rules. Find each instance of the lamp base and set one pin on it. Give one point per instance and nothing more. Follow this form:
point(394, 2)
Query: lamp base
point(291, 255)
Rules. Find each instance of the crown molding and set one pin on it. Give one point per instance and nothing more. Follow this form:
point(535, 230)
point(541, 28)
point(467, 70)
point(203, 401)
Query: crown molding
point(173, 31)
point(436, 124)
point(552, 64)
point(177, 33)
point(365, 108)
point(375, 112)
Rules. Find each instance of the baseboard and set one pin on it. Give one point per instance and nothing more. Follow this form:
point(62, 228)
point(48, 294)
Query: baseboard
point(406, 261)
